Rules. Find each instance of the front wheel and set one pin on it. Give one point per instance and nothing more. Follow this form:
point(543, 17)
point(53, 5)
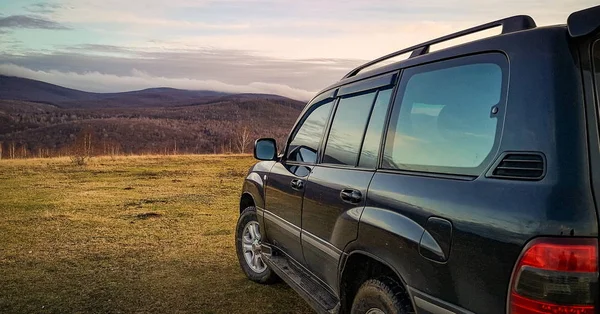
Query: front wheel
point(247, 242)
point(381, 296)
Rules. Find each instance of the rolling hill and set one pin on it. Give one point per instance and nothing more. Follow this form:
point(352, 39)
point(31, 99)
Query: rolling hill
point(41, 119)
point(16, 88)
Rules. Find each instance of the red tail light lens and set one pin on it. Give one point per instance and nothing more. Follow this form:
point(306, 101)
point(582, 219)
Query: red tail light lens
point(556, 276)
point(562, 257)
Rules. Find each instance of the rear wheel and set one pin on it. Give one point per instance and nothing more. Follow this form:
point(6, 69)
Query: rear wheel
point(247, 242)
point(381, 296)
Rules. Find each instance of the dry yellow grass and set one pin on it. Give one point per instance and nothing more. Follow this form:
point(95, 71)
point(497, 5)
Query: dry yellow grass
point(151, 234)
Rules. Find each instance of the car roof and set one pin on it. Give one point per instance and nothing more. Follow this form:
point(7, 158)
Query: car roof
point(498, 43)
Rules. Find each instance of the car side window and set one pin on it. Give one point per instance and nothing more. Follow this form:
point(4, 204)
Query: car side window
point(347, 129)
point(305, 144)
point(369, 154)
point(445, 118)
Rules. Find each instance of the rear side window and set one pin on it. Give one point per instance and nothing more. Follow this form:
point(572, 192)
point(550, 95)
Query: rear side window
point(446, 116)
point(347, 129)
point(305, 144)
point(369, 154)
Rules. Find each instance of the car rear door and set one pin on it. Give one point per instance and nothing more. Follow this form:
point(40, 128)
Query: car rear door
point(443, 133)
point(337, 187)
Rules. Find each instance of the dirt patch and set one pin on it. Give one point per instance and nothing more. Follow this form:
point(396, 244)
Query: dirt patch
point(148, 215)
point(145, 201)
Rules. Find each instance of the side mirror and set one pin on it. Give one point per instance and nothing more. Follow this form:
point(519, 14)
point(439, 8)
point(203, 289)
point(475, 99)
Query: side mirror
point(265, 149)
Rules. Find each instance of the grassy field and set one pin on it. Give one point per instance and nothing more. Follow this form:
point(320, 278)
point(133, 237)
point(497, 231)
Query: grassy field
point(147, 234)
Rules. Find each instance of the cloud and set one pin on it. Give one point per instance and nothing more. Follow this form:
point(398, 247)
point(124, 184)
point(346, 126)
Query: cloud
point(27, 21)
point(100, 82)
point(43, 7)
point(234, 67)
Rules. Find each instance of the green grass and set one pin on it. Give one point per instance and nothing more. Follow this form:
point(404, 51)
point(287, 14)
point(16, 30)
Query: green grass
point(152, 234)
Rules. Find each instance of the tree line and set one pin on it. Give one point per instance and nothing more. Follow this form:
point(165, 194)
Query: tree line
point(88, 143)
point(30, 130)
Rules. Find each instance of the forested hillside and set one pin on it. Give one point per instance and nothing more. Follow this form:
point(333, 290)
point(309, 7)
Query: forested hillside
point(205, 124)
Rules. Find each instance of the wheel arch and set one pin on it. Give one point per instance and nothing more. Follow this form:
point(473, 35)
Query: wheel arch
point(252, 192)
point(359, 266)
point(389, 239)
point(246, 200)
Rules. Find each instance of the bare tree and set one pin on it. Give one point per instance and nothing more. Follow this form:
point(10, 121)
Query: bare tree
point(243, 139)
point(113, 149)
point(1, 145)
point(11, 149)
point(82, 148)
point(24, 151)
point(88, 143)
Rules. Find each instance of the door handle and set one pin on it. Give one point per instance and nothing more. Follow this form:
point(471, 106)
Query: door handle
point(351, 196)
point(297, 184)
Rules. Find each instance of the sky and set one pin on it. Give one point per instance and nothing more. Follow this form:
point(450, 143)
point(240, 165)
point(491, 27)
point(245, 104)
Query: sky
point(289, 47)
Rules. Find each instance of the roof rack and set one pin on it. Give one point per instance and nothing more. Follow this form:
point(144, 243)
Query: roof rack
point(509, 25)
point(584, 22)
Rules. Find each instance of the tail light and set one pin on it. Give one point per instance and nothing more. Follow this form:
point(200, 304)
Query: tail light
point(556, 276)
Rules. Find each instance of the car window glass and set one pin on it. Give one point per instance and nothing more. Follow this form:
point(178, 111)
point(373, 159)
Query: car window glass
point(304, 146)
point(347, 129)
point(443, 121)
point(370, 149)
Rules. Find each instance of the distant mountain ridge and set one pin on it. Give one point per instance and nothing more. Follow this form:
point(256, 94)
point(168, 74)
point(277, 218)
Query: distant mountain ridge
point(39, 119)
point(18, 88)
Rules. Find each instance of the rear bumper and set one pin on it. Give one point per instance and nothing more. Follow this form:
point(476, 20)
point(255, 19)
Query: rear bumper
point(426, 304)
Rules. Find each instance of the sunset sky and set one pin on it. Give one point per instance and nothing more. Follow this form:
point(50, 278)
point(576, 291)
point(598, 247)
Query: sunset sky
point(292, 48)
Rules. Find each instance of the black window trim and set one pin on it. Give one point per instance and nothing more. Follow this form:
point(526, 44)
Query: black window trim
point(364, 135)
point(595, 67)
point(438, 175)
point(386, 123)
point(376, 83)
point(339, 166)
point(369, 84)
point(505, 67)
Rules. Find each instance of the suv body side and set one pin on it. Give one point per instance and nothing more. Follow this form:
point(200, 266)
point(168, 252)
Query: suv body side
point(549, 95)
point(493, 219)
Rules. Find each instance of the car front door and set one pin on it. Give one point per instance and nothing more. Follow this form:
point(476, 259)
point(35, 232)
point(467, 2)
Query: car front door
point(337, 187)
point(286, 182)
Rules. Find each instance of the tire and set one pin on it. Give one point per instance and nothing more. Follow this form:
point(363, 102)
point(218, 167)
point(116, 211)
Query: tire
point(382, 295)
point(246, 244)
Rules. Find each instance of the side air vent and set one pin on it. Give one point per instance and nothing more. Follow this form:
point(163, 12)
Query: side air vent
point(519, 166)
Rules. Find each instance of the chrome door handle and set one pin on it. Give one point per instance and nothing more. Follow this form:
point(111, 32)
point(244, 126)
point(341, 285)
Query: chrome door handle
point(351, 196)
point(297, 184)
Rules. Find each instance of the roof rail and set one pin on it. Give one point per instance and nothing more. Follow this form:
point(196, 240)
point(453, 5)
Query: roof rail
point(509, 25)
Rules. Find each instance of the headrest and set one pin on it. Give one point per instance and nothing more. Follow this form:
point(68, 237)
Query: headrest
point(462, 120)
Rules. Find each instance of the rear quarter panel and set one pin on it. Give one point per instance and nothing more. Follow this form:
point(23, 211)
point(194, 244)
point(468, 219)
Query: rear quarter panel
point(491, 221)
